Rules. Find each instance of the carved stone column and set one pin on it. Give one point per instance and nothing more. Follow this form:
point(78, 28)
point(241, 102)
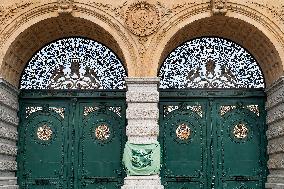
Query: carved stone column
point(8, 135)
point(142, 114)
point(275, 134)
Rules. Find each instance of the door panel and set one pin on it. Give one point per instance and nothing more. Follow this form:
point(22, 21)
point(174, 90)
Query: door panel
point(226, 148)
point(241, 140)
point(184, 144)
point(101, 145)
point(43, 134)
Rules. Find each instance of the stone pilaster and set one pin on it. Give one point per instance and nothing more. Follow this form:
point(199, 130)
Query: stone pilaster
point(142, 115)
point(275, 134)
point(8, 135)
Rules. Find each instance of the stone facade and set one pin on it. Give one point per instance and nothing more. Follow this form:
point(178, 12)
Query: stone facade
point(142, 34)
point(275, 134)
point(8, 134)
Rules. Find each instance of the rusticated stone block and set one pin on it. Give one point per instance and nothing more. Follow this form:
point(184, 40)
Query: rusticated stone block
point(8, 150)
point(8, 165)
point(142, 96)
point(140, 111)
point(276, 161)
point(275, 129)
point(276, 146)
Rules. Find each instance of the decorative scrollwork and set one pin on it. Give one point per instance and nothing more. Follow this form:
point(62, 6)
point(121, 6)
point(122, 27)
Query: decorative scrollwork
point(74, 63)
point(210, 62)
point(227, 108)
point(183, 132)
point(240, 131)
point(44, 132)
point(102, 132)
point(33, 109)
point(253, 108)
point(115, 109)
point(195, 108)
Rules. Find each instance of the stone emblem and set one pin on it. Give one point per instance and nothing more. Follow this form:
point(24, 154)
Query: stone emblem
point(142, 18)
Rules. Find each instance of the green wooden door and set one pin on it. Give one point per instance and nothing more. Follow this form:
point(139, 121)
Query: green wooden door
point(213, 142)
point(71, 142)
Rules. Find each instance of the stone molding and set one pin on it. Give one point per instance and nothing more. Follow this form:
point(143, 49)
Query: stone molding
point(142, 182)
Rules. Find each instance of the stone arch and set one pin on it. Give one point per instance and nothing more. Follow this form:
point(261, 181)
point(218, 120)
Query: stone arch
point(252, 35)
point(33, 34)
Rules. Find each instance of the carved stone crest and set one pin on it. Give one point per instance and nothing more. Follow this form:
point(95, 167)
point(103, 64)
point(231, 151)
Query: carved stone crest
point(142, 18)
point(219, 7)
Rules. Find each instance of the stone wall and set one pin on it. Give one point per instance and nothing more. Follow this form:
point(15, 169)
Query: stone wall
point(275, 134)
point(8, 134)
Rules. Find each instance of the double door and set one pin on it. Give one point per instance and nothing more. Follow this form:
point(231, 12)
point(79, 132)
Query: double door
point(72, 143)
point(213, 142)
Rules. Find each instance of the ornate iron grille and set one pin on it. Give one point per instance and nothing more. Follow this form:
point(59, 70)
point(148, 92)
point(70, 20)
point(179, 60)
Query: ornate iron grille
point(74, 63)
point(210, 62)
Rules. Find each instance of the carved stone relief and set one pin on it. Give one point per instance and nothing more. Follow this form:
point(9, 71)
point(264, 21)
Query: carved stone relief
point(65, 6)
point(142, 18)
point(219, 7)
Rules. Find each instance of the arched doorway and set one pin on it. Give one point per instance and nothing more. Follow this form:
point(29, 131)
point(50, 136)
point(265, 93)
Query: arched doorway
point(72, 117)
point(212, 117)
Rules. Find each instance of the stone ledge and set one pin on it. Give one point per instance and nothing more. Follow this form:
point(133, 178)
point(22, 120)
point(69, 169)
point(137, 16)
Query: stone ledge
point(142, 80)
point(142, 182)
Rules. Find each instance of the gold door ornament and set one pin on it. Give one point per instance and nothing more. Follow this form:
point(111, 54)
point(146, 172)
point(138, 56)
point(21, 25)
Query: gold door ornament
point(183, 132)
point(44, 132)
point(240, 131)
point(102, 132)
